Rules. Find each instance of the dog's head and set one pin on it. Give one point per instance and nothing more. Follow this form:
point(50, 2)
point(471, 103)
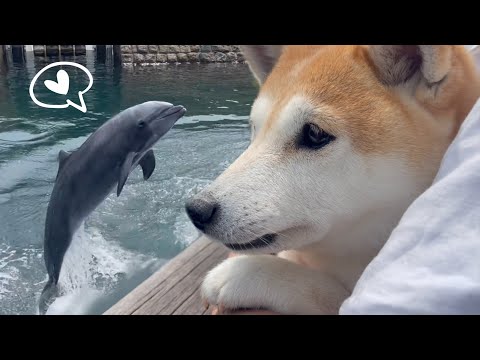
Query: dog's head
point(339, 134)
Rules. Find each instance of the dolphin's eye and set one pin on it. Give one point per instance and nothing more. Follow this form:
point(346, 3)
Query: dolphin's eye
point(312, 137)
point(141, 124)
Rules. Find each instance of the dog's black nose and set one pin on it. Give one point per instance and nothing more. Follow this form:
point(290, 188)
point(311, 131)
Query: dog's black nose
point(201, 211)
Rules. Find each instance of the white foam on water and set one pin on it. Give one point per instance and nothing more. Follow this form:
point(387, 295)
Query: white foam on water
point(91, 269)
point(8, 271)
point(5, 280)
point(184, 231)
point(77, 302)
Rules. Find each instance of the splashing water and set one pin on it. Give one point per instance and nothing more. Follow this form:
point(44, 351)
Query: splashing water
point(91, 269)
point(127, 238)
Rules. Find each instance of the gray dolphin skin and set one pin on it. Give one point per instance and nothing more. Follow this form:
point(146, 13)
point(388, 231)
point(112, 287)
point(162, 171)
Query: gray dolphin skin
point(90, 173)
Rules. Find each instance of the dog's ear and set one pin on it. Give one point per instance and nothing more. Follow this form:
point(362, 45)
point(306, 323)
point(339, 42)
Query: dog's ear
point(396, 64)
point(261, 59)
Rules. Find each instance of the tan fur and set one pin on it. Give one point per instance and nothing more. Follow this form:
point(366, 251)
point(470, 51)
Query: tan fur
point(345, 78)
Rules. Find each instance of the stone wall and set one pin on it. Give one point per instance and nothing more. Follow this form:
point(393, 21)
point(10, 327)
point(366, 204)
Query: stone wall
point(162, 54)
point(55, 50)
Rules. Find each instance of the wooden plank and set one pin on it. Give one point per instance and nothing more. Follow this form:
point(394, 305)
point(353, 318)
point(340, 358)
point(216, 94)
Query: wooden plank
point(186, 269)
point(149, 287)
point(182, 290)
point(153, 295)
point(192, 306)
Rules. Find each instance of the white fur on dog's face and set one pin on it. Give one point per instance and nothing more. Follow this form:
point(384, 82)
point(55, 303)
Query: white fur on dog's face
point(274, 187)
point(392, 110)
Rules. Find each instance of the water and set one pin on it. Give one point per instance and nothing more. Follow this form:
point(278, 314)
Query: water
point(127, 238)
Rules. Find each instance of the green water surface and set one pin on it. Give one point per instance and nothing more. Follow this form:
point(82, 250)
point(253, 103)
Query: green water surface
point(127, 238)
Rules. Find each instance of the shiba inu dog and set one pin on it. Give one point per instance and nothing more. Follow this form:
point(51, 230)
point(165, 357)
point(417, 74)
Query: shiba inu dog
point(344, 138)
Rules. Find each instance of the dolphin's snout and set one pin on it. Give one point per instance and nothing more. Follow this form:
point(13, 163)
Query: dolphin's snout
point(175, 109)
point(152, 111)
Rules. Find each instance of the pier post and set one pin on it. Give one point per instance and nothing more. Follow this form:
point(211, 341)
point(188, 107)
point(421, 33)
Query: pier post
point(90, 58)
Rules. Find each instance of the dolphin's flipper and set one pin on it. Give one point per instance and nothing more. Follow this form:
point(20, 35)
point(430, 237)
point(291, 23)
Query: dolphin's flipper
point(148, 164)
point(125, 171)
point(62, 159)
point(49, 291)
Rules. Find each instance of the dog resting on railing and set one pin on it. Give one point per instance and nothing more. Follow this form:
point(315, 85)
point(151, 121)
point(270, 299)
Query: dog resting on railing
point(344, 138)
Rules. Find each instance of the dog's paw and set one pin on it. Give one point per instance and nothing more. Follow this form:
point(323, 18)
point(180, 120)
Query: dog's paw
point(240, 283)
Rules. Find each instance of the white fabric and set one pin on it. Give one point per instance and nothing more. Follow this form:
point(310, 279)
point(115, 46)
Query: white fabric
point(431, 262)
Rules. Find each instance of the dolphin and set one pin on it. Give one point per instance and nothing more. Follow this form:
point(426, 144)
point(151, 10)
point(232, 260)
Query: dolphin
point(90, 173)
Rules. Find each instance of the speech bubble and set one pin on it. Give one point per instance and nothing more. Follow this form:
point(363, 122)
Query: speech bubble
point(82, 107)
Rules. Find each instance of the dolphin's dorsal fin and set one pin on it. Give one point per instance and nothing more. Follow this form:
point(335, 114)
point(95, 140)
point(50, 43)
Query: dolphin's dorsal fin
point(62, 159)
point(148, 164)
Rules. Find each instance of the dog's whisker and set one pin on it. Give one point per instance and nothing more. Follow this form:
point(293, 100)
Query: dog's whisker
point(266, 242)
point(273, 232)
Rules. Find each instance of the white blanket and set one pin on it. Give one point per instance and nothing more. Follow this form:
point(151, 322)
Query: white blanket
point(431, 262)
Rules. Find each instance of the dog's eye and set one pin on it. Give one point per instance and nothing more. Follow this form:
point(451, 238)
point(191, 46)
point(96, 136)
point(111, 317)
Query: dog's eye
point(314, 138)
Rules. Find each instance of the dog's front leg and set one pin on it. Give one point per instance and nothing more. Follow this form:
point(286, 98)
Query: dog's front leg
point(269, 282)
